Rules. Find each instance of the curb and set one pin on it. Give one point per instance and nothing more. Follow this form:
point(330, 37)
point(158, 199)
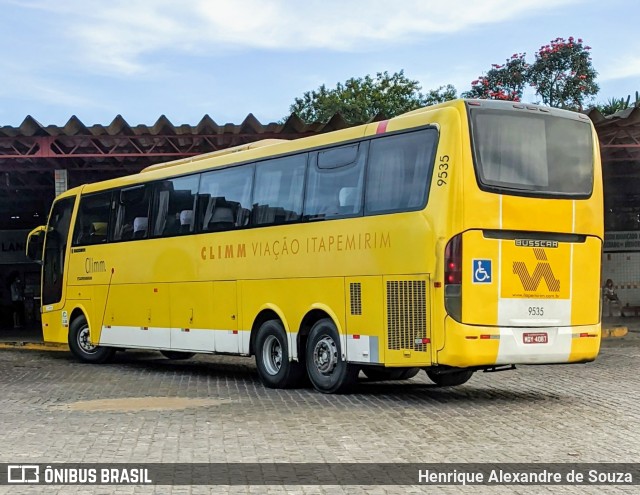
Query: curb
point(34, 346)
point(614, 332)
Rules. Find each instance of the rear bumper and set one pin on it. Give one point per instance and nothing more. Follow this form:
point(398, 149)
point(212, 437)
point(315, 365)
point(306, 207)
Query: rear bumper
point(467, 345)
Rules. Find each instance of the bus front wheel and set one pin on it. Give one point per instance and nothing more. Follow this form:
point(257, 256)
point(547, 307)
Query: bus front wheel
point(450, 379)
point(272, 357)
point(82, 348)
point(328, 372)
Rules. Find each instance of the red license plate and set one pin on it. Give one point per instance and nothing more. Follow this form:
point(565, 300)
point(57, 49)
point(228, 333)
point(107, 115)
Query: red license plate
point(535, 338)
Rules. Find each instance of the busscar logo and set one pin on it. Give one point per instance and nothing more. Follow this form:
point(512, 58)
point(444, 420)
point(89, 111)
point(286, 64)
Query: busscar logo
point(23, 473)
point(536, 243)
point(531, 282)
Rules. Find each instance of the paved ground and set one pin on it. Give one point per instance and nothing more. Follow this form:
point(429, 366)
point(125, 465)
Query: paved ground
point(144, 408)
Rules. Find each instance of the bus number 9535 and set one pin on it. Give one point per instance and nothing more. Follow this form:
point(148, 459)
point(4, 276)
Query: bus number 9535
point(443, 168)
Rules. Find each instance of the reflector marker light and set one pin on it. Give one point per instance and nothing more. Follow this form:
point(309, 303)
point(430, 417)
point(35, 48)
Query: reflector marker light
point(423, 341)
point(488, 337)
point(583, 335)
point(382, 127)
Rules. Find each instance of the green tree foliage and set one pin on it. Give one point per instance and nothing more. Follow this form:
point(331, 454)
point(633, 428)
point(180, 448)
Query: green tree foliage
point(361, 99)
point(563, 74)
point(440, 95)
point(613, 105)
point(502, 82)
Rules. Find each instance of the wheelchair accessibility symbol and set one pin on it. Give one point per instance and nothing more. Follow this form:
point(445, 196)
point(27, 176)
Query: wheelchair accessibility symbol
point(481, 271)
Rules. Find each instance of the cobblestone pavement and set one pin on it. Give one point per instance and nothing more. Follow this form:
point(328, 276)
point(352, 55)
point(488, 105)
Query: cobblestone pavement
point(213, 409)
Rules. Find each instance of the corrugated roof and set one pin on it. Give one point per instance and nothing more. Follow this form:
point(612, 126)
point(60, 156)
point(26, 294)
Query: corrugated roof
point(619, 135)
point(163, 126)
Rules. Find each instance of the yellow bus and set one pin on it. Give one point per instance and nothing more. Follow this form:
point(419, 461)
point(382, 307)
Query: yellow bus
point(460, 237)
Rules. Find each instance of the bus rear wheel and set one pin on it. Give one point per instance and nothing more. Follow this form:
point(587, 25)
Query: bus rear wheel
point(272, 357)
point(378, 374)
point(328, 372)
point(450, 379)
point(177, 355)
point(82, 348)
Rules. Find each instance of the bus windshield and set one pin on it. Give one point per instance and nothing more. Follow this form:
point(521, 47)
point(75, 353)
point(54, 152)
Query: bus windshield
point(532, 154)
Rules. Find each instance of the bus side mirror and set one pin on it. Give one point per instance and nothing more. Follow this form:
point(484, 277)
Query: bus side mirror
point(35, 243)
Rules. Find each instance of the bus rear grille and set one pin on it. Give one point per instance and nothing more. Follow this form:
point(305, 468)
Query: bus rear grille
point(407, 315)
point(356, 298)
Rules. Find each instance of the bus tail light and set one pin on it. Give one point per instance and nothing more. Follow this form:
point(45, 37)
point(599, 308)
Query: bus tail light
point(453, 277)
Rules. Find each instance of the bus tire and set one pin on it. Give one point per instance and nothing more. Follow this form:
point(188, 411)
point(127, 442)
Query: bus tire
point(328, 372)
point(177, 355)
point(272, 357)
point(80, 346)
point(379, 374)
point(450, 379)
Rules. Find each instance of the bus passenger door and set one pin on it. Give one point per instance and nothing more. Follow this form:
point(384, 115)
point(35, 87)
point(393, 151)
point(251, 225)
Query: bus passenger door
point(225, 317)
point(191, 315)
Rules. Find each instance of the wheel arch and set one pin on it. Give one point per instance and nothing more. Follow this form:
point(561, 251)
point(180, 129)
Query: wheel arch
point(315, 314)
point(266, 313)
point(94, 329)
point(76, 313)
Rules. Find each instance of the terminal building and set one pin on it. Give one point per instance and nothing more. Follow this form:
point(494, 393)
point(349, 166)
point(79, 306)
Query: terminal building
point(37, 162)
point(619, 136)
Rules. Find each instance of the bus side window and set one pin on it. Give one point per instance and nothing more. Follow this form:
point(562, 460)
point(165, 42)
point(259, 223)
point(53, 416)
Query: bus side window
point(132, 204)
point(334, 182)
point(225, 198)
point(399, 168)
point(175, 200)
point(279, 188)
point(93, 219)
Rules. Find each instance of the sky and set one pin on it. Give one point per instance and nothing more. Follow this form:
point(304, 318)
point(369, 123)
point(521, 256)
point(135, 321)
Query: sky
point(141, 59)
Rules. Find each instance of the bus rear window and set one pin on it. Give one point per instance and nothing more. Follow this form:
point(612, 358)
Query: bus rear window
point(532, 154)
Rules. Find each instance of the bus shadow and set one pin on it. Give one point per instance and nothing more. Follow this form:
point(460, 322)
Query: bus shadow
point(406, 393)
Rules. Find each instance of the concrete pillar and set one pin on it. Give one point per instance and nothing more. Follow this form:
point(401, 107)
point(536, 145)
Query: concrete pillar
point(60, 178)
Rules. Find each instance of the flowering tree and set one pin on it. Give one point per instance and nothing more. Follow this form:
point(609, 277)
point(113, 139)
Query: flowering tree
point(563, 74)
point(502, 82)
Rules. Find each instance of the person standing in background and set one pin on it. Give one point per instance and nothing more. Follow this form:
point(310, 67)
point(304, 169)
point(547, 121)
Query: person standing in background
point(17, 301)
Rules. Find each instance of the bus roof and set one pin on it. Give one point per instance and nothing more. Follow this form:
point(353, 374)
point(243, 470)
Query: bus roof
point(251, 151)
point(213, 154)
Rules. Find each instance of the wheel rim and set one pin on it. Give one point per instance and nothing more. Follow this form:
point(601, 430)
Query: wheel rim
point(84, 343)
point(325, 355)
point(272, 355)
